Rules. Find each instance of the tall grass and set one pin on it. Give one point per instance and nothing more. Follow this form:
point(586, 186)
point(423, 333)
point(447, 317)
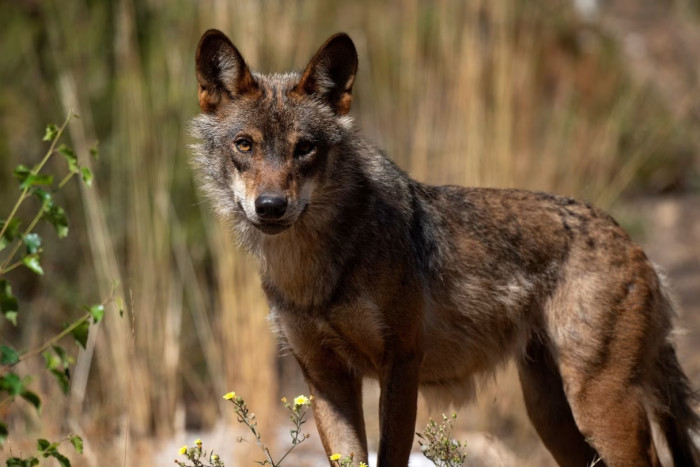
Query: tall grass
point(478, 93)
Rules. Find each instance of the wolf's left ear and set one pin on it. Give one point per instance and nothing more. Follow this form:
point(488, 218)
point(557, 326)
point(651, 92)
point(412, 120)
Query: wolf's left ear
point(331, 73)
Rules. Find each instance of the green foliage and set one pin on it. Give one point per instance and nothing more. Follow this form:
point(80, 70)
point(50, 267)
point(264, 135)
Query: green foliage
point(87, 176)
point(71, 157)
point(32, 262)
point(11, 230)
point(58, 363)
point(438, 446)
point(8, 356)
point(51, 132)
point(96, 311)
point(436, 443)
point(8, 302)
point(57, 217)
point(337, 460)
point(298, 411)
point(13, 236)
point(47, 449)
point(198, 457)
point(80, 333)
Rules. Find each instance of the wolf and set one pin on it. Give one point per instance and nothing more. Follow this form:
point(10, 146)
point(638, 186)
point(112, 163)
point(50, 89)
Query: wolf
point(369, 273)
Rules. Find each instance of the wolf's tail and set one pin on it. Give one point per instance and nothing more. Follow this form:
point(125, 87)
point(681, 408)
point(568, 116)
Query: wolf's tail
point(673, 409)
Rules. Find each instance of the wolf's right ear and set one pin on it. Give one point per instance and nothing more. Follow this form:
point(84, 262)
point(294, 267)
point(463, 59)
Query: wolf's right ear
point(221, 72)
point(331, 73)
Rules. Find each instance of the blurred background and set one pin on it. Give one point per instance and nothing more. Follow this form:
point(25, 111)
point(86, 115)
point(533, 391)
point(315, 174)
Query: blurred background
point(594, 99)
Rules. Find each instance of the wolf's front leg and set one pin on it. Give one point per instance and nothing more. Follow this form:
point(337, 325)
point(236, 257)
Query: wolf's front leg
point(397, 408)
point(337, 408)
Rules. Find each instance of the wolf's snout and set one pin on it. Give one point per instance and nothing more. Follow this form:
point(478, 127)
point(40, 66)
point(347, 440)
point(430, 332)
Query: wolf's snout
point(270, 207)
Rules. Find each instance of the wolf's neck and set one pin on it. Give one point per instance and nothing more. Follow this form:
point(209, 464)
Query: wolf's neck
point(298, 269)
point(303, 266)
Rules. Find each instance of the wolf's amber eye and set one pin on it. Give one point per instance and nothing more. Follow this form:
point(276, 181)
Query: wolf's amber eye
point(304, 148)
point(243, 144)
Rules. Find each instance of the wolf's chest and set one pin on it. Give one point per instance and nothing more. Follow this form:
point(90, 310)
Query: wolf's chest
point(351, 333)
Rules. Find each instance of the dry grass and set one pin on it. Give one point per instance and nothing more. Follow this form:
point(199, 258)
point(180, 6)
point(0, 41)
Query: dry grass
point(477, 93)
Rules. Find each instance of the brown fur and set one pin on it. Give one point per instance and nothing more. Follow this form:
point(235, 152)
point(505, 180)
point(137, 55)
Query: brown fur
point(371, 274)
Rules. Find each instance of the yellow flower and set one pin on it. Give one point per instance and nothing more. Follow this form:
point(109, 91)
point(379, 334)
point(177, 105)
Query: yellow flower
point(301, 400)
point(230, 395)
point(335, 457)
point(182, 450)
point(362, 464)
point(214, 457)
point(198, 442)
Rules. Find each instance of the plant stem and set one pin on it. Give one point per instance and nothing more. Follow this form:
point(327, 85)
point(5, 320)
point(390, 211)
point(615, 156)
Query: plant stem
point(9, 268)
point(244, 419)
point(32, 224)
point(53, 340)
point(295, 441)
point(35, 171)
point(65, 180)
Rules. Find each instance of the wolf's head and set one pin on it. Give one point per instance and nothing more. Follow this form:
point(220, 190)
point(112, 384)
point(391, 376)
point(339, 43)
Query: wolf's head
point(266, 140)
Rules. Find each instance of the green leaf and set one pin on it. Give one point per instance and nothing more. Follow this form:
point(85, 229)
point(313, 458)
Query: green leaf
point(87, 176)
point(44, 445)
point(12, 384)
point(36, 179)
point(52, 361)
point(32, 398)
point(21, 172)
point(80, 333)
point(51, 132)
point(18, 462)
point(70, 157)
point(77, 443)
point(97, 312)
point(44, 196)
point(66, 359)
point(33, 242)
point(32, 262)
point(8, 302)
point(8, 355)
point(10, 233)
point(62, 354)
point(57, 217)
point(11, 316)
point(94, 151)
point(62, 377)
point(62, 460)
point(3, 433)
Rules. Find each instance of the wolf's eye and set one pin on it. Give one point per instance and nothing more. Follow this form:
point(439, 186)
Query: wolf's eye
point(304, 148)
point(243, 144)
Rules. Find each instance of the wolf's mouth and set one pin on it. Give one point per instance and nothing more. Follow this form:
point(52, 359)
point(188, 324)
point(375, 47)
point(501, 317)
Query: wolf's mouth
point(271, 228)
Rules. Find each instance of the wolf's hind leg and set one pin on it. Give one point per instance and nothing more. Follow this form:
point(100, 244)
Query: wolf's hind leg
point(613, 419)
point(548, 408)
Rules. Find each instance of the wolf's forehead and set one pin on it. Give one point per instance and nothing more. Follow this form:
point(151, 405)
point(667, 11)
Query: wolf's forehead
point(277, 109)
point(276, 87)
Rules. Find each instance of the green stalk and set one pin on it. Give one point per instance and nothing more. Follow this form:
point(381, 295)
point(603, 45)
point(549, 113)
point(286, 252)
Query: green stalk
point(56, 338)
point(35, 171)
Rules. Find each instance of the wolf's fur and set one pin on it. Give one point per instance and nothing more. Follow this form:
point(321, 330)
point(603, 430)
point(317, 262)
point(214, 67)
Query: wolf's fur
point(370, 273)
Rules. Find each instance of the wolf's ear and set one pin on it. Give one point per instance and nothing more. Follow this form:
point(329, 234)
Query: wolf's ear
point(221, 72)
point(331, 73)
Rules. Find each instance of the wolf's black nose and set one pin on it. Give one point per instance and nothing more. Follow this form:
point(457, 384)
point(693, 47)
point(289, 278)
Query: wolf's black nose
point(270, 207)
